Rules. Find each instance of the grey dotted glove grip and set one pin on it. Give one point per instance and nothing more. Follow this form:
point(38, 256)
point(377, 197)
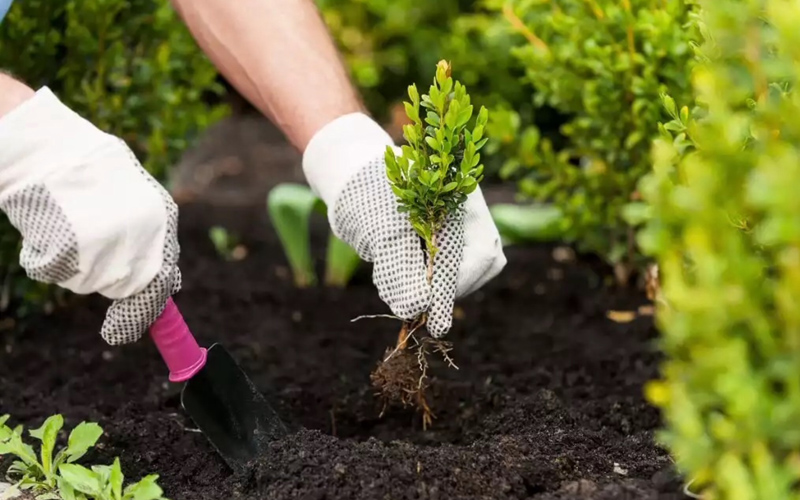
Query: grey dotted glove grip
point(365, 216)
point(129, 318)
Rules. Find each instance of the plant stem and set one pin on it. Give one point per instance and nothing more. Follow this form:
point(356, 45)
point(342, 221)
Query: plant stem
point(431, 256)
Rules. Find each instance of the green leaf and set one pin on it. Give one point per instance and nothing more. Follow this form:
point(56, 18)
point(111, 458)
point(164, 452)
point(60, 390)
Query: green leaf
point(82, 437)
point(15, 446)
point(413, 94)
point(411, 112)
point(432, 119)
point(669, 104)
point(432, 142)
point(527, 223)
point(80, 478)
point(5, 431)
point(477, 133)
point(449, 187)
point(483, 117)
point(464, 116)
point(469, 185)
point(685, 114)
point(66, 491)
point(116, 479)
point(146, 489)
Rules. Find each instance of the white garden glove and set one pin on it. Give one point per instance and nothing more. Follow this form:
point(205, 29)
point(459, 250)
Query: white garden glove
point(344, 165)
point(91, 218)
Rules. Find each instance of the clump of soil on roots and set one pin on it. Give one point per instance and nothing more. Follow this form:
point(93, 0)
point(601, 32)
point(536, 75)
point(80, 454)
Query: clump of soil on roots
point(401, 378)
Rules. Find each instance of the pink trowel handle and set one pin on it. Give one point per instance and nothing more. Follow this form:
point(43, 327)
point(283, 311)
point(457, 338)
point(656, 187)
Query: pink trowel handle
point(177, 345)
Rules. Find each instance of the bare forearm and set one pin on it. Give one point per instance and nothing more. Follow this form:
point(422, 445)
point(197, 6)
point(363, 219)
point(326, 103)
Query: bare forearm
point(279, 55)
point(12, 93)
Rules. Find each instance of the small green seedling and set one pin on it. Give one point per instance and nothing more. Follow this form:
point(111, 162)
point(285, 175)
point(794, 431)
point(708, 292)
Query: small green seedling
point(438, 168)
point(290, 208)
point(226, 244)
point(441, 164)
point(50, 476)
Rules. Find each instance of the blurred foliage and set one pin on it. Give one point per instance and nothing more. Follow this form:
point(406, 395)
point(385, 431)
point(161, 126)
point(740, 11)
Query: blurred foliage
point(572, 87)
point(387, 43)
point(725, 227)
point(603, 65)
point(130, 67)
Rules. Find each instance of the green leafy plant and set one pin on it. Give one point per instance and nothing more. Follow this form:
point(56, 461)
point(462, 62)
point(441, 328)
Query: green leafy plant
point(225, 243)
point(725, 229)
point(51, 475)
point(431, 178)
point(290, 207)
point(131, 68)
point(441, 163)
point(602, 65)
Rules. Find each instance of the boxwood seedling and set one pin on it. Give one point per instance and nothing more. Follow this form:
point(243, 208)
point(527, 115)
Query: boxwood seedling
point(439, 167)
point(58, 477)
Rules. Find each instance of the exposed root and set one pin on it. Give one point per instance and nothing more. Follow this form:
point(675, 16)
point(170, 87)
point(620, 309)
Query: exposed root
point(402, 376)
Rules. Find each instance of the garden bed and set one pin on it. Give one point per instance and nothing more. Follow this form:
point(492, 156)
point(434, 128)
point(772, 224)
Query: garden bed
point(547, 402)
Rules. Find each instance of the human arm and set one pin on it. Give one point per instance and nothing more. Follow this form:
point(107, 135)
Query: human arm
point(279, 55)
point(12, 93)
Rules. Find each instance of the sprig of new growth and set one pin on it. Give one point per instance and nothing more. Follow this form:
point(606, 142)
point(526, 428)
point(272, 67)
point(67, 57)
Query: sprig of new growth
point(440, 165)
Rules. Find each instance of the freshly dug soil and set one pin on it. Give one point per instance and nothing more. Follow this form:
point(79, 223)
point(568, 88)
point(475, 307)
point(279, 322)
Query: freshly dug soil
point(547, 401)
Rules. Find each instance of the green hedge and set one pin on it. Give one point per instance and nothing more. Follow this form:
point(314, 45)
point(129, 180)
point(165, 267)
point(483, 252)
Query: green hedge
point(602, 64)
point(725, 228)
point(572, 85)
point(132, 68)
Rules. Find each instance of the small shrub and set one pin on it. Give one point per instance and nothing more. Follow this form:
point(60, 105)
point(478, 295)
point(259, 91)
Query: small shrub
point(431, 178)
point(601, 64)
point(131, 68)
point(725, 229)
point(50, 476)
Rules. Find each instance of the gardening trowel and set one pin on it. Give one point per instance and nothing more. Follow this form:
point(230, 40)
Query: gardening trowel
point(218, 396)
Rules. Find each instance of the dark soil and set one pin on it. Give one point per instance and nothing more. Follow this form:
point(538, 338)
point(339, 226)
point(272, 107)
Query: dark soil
point(547, 402)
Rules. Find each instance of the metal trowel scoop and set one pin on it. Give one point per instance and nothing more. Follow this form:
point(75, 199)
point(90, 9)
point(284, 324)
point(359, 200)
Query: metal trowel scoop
point(218, 396)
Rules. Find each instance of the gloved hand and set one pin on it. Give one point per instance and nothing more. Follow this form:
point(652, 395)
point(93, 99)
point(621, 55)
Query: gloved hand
point(344, 165)
point(91, 218)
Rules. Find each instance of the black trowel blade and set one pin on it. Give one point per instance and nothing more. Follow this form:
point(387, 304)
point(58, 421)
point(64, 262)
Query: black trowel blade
point(227, 407)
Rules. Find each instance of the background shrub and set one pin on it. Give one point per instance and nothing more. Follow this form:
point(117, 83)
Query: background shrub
point(725, 228)
point(387, 44)
point(601, 65)
point(130, 67)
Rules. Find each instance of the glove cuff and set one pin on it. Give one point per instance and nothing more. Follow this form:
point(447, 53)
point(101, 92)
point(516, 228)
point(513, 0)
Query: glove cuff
point(40, 136)
point(339, 150)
